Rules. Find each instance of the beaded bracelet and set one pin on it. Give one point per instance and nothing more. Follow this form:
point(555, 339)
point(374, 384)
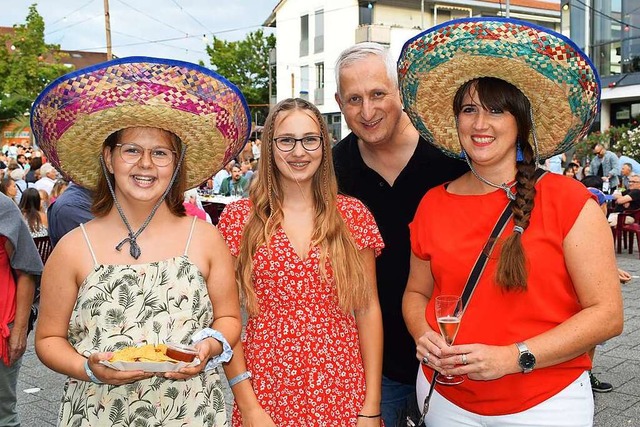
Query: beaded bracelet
point(369, 416)
point(90, 373)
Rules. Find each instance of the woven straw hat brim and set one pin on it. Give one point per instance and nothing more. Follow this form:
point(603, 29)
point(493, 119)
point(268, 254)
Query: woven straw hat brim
point(75, 114)
point(557, 78)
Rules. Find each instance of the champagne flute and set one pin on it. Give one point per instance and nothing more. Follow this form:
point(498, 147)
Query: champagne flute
point(448, 315)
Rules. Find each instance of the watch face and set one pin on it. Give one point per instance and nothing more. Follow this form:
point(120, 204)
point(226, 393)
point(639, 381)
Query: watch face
point(527, 361)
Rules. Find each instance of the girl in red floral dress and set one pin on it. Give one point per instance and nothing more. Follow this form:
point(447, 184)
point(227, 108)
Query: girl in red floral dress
point(312, 351)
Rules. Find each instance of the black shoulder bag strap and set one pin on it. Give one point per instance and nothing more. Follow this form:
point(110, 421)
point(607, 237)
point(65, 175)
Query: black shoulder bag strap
point(472, 281)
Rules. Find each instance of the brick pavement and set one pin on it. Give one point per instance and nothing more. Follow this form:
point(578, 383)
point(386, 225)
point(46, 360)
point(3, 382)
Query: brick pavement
point(618, 362)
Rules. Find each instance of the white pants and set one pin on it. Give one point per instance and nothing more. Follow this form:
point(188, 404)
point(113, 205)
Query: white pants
point(572, 407)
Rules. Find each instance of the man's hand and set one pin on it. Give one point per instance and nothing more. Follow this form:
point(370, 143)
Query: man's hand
point(17, 344)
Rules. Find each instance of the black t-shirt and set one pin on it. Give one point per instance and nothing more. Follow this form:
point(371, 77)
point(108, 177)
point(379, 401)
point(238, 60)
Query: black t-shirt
point(394, 208)
point(635, 199)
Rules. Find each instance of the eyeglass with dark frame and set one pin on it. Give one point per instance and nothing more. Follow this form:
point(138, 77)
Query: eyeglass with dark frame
point(132, 153)
point(288, 143)
point(634, 182)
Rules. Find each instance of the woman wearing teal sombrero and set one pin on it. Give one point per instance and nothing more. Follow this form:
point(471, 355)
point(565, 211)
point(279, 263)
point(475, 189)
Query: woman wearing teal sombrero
point(138, 132)
point(501, 95)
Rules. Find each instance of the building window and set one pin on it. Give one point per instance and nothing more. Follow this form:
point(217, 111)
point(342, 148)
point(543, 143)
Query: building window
point(304, 82)
point(304, 35)
point(318, 41)
point(319, 92)
point(333, 126)
point(365, 13)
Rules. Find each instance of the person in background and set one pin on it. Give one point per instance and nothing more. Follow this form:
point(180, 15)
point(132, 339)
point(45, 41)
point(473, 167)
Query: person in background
point(48, 175)
point(236, 184)
point(34, 171)
point(3, 162)
point(107, 286)
point(193, 206)
point(44, 200)
point(547, 294)
point(8, 188)
point(70, 209)
point(35, 218)
point(246, 170)
point(21, 185)
point(22, 161)
point(635, 166)
point(311, 354)
point(554, 164)
point(570, 171)
point(629, 199)
point(387, 165)
point(20, 266)
point(222, 174)
point(625, 171)
point(255, 148)
point(623, 275)
point(605, 164)
point(58, 188)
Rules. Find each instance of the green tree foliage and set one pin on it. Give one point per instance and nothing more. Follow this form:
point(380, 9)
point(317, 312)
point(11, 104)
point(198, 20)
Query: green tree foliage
point(27, 65)
point(245, 63)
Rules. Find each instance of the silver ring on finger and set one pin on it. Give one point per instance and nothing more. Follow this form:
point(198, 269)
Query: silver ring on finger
point(425, 359)
point(464, 359)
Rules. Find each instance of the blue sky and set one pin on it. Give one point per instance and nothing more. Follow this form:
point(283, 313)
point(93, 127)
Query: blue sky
point(177, 29)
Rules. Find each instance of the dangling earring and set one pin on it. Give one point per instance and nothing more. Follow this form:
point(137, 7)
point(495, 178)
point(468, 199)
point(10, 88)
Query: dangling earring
point(463, 154)
point(519, 153)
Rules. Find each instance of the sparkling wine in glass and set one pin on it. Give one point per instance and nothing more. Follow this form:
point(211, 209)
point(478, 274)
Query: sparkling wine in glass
point(448, 315)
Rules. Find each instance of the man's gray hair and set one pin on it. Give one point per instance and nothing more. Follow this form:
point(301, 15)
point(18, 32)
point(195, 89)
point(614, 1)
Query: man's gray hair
point(361, 51)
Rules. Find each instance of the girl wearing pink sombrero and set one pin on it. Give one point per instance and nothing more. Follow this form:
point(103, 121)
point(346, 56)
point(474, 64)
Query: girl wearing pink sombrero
point(501, 95)
point(139, 132)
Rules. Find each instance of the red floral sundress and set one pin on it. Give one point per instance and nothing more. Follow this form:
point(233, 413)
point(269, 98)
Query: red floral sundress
point(302, 350)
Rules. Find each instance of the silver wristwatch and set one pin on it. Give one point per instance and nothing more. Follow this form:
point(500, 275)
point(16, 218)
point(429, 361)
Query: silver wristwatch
point(526, 359)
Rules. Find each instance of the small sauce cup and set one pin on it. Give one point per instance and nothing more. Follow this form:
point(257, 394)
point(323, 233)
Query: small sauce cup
point(182, 352)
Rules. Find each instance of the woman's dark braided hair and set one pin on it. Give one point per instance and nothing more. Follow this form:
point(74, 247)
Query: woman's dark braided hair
point(499, 94)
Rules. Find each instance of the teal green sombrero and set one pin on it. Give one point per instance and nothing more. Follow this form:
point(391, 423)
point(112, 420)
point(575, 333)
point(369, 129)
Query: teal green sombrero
point(74, 115)
point(559, 79)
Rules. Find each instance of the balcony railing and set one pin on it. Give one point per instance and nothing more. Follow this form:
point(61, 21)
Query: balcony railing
point(373, 33)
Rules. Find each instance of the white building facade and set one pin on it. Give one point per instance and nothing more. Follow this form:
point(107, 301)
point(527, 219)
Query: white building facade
point(609, 32)
point(310, 34)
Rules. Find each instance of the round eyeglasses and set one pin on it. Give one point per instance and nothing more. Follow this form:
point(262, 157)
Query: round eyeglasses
point(288, 143)
point(132, 153)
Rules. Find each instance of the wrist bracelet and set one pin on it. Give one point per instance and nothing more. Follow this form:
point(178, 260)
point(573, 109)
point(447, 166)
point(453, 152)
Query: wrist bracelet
point(90, 373)
point(369, 416)
point(238, 378)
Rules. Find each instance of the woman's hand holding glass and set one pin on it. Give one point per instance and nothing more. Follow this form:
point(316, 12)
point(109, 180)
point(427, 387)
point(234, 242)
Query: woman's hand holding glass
point(484, 362)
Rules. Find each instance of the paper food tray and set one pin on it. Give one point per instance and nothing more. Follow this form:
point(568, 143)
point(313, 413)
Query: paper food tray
point(149, 366)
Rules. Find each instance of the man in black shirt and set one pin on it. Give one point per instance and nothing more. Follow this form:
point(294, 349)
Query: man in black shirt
point(388, 166)
point(630, 199)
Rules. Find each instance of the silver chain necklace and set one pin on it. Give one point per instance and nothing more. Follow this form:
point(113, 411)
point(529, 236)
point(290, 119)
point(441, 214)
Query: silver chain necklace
point(504, 186)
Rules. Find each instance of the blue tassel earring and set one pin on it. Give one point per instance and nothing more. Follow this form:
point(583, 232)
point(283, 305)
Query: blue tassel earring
point(519, 154)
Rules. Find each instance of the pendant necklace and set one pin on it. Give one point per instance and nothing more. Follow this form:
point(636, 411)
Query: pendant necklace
point(134, 248)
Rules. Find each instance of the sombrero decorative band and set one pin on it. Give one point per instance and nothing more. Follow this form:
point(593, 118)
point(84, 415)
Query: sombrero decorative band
point(74, 115)
point(559, 79)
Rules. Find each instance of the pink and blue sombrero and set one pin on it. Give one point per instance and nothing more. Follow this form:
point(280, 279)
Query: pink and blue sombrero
point(559, 79)
point(73, 116)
